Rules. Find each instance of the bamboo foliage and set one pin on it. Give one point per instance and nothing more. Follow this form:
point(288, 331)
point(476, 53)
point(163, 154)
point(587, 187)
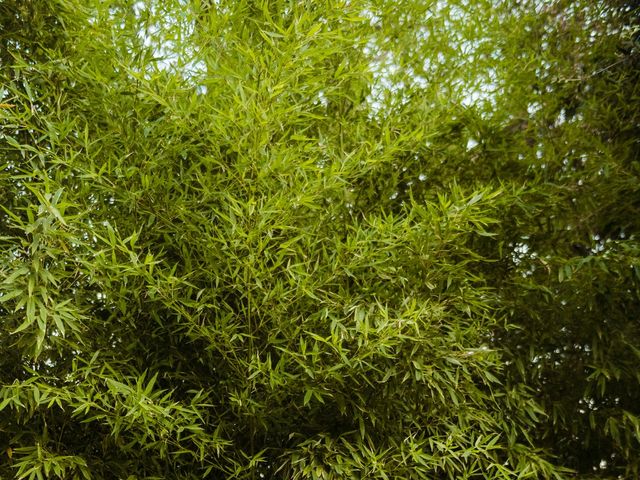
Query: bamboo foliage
point(318, 240)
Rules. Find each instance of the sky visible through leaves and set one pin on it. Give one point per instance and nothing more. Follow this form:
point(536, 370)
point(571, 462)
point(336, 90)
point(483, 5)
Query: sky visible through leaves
point(319, 239)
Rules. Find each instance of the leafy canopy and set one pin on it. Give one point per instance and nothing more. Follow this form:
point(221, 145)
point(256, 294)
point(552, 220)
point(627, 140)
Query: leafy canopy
point(319, 239)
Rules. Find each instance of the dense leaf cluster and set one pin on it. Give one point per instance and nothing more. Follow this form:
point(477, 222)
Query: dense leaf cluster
point(319, 239)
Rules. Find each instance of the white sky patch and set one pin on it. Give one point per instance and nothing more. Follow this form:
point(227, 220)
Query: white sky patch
point(533, 108)
point(165, 32)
